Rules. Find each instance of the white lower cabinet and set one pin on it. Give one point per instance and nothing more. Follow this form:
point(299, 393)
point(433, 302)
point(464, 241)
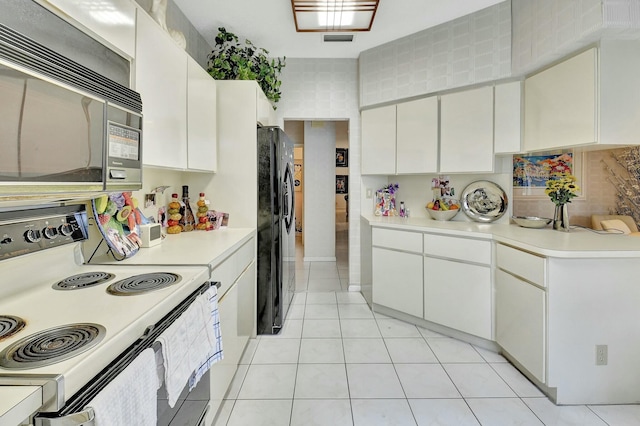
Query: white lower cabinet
point(397, 280)
point(520, 322)
point(458, 295)
point(434, 277)
point(237, 298)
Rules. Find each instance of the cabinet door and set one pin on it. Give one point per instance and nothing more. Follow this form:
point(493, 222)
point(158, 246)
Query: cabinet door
point(417, 136)
point(458, 295)
point(222, 372)
point(379, 141)
point(201, 119)
point(237, 324)
point(560, 104)
point(397, 280)
point(520, 322)
point(161, 79)
point(508, 118)
point(466, 131)
point(111, 21)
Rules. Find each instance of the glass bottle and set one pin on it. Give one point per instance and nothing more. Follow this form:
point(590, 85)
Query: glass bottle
point(174, 216)
point(187, 221)
point(202, 215)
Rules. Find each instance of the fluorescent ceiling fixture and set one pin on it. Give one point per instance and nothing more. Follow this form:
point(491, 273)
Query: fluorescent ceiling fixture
point(333, 15)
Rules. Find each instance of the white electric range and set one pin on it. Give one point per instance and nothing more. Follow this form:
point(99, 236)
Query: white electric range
point(63, 322)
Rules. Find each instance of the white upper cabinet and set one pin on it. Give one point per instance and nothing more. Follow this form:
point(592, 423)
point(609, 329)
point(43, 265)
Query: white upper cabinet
point(417, 136)
point(201, 119)
point(560, 104)
point(112, 22)
point(178, 103)
point(161, 79)
point(401, 139)
point(466, 131)
point(590, 99)
point(508, 118)
point(379, 141)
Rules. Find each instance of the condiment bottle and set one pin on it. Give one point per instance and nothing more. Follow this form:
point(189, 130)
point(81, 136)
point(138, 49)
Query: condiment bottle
point(174, 216)
point(201, 214)
point(187, 221)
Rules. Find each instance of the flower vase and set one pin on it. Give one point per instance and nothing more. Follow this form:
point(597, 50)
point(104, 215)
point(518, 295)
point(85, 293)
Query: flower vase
point(561, 218)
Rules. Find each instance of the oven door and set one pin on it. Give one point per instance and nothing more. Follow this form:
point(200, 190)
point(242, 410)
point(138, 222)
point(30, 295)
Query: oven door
point(191, 408)
point(193, 405)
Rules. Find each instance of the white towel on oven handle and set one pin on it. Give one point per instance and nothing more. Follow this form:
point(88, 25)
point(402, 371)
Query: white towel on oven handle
point(215, 354)
point(131, 398)
point(185, 344)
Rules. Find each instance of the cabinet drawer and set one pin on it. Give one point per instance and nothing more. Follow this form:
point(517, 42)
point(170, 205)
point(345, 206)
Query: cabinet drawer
point(520, 263)
point(230, 269)
point(464, 249)
point(399, 240)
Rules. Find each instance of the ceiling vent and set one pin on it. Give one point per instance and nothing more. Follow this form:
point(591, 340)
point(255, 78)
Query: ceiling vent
point(340, 38)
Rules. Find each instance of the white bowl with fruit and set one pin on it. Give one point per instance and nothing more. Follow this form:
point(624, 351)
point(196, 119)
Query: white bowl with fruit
point(443, 209)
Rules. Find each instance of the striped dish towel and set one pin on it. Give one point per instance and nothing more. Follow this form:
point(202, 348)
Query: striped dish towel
point(216, 354)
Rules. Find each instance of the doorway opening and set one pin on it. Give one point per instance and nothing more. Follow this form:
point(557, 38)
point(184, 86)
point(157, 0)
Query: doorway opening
point(321, 179)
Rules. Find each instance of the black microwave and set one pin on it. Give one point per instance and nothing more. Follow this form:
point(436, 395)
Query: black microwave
point(65, 128)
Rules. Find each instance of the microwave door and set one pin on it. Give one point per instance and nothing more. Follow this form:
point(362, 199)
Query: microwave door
point(59, 136)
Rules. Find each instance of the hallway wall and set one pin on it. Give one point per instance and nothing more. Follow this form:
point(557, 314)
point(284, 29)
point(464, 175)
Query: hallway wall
point(328, 89)
point(319, 218)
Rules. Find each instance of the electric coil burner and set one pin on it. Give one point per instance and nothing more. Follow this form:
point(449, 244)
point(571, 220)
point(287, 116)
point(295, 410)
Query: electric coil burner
point(10, 325)
point(143, 283)
point(84, 280)
point(51, 346)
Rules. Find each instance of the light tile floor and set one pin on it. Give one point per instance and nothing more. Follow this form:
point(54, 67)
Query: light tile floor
point(336, 363)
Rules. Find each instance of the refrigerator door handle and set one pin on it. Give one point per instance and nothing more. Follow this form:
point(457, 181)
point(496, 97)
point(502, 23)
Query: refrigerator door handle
point(288, 205)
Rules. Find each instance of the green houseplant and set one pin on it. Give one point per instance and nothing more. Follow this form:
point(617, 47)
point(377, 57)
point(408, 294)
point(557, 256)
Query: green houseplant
point(233, 60)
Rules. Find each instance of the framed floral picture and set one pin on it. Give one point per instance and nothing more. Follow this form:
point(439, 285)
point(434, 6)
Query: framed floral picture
point(531, 172)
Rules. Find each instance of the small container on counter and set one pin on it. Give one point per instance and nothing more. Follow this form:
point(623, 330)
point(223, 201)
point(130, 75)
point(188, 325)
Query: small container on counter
point(174, 216)
point(187, 221)
point(202, 215)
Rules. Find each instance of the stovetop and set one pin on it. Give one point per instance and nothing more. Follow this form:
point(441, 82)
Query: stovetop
point(30, 298)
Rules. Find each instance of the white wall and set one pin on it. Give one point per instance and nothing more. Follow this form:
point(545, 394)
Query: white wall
point(319, 210)
point(328, 89)
point(342, 141)
point(472, 49)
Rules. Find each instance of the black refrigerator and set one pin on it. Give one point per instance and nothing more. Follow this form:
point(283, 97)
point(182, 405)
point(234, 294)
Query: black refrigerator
point(276, 229)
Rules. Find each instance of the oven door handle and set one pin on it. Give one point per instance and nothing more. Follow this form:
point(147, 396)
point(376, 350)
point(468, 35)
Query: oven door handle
point(85, 417)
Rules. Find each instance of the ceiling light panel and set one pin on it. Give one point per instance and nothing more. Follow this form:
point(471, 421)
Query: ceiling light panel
point(334, 15)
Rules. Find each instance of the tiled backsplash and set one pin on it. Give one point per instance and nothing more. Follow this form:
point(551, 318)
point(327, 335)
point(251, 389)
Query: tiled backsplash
point(600, 193)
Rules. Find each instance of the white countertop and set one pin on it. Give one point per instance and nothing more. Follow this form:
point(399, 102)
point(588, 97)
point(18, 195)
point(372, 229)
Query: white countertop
point(188, 248)
point(578, 243)
point(18, 402)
